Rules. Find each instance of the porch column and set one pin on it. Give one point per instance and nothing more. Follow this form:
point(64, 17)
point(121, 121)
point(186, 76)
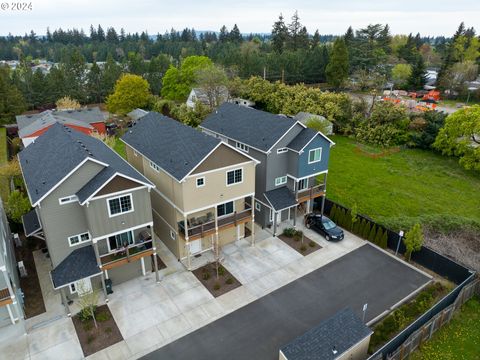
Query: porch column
point(296, 206)
point(274, 223)
point(216, 235)
point(142, 263)
point(10, 314)
point(324, 193)
point(253, 221)
point(9, 285)
point(104, 288)
point(97, 254)
point(155, 261)
point(65, 302)
point(187, 242)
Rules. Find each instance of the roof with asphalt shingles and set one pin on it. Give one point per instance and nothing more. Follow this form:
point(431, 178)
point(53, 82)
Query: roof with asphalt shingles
point(136, 114)
point(280, 198)
point(302, 139)
point(338, 333)
point(173, 146)
point(79, 264)
point(256, 128)
point(31, 223)
point(58, 151)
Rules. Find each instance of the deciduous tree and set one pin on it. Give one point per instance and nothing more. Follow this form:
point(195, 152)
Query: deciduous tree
point(131, 91)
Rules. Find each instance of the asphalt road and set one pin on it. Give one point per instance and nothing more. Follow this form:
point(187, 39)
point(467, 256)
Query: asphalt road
point(259, 329)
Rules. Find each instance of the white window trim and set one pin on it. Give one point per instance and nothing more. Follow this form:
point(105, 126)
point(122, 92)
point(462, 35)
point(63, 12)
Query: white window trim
point(68, 199)
point(258, 206)
point(281, 180)
point(70, 288)
point(200, 178)
point(234, 183)
point(120, 213)
point(320, 157)
point(173, 236)
point(233, 208)
point(135, 153)
point(154, 166)
point(282, 150)
point(80, 241)
point(301, 181)
point(242, 146)
point(110, 250)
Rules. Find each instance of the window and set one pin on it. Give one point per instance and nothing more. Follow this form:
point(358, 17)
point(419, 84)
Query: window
point(302, 184)
point(201, 181)
point(73, 288)
point(120, 240)
point(282, 150)
point(225, 209)
point(242, 146)
point(68, 199)
point(79, 239)
point(280, 180)
point(173, 235)
point(234, 176)
point(314, 155)
point(258, 206)
point(120, 205)
point(154, 166)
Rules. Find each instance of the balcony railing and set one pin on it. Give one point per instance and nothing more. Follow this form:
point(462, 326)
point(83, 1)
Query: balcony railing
point(311, 192)
point(5, 297)
point(127, 254)
point(208, 227)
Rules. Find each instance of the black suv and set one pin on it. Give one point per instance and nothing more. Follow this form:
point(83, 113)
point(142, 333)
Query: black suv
point(324, 226)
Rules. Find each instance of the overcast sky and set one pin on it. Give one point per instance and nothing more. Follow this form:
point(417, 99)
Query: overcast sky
point(438, 17)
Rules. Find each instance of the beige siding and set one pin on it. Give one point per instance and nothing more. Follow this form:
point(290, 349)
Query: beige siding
point(135, 160)
point(215, 190)
point(223, 156)
point(357, 352)
point(101, 224)
point(162, 230)
point(62, 221)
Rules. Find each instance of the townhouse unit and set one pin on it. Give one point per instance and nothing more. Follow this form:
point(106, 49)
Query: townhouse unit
point(91, 207)
point(293, 159)
point(204, 188)
point(11, 309)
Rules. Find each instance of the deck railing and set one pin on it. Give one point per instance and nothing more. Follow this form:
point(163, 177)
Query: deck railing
point(311, 192)
point(223, 221)
point(127, 252)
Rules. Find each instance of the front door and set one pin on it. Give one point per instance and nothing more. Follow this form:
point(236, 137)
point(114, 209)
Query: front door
point(84, 286)
point(195, 246)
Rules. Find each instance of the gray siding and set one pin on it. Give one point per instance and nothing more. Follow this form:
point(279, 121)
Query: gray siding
point(61, 221)
point(306, 169)
point(101, 224)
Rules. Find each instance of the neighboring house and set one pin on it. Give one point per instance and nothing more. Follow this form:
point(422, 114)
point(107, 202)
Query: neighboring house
point(243, 102)
point(11, 310)
point(91, 207)
point(204, 188)
point(136, 114)
point(291, 156)
point(342, 337)
point(85, 120)
point(200, 95)
point(304, 117)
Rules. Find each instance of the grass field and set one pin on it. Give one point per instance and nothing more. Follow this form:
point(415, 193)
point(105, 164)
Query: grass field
point(4, 185)
point(458, 340)
point(401, 186)
point(119, 147)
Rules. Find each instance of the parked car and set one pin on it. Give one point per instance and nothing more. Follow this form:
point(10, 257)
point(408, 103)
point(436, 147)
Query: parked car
point(324, 226)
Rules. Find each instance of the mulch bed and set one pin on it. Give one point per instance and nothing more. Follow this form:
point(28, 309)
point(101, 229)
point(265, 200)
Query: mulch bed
point(160, 263)
point(30, 285)
point(297, 245)
point(210, 281)
point(95, 339)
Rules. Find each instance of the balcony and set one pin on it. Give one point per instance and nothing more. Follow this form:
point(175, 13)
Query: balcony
point(311, 193)
point(5, 297)
point(126, 254)
point(206, 226)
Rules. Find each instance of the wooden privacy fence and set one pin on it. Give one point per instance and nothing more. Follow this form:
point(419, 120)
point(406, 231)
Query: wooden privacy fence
point(435, 323)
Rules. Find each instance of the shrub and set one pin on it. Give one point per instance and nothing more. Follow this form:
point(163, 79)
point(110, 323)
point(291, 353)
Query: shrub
point(361, 227)
point(289, 232)
point(229, 281)
point(87, 326)
point(378, 236)
point(333, 213)
point(311, 243)
point(103, 316)
point(221, 270)
point(366, 230)
point(413, 240)
point(348, 220)
point(373, 232)
point(298, 235)
point(217, 286)
point(206, 276)
point(384, 240)
point(85, 314)
point(303, 248)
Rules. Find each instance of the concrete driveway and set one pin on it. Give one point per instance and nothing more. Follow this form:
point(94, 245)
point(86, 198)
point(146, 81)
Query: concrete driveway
point(259, 329)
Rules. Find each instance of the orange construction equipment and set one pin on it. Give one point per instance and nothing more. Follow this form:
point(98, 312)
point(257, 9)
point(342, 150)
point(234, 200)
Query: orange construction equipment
point(432, 95)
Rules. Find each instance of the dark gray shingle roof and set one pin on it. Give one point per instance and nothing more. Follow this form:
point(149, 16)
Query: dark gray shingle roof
point(175, 147)
point(58, 151)
point(79, 264)
point(280, 198)
point(258, 129)
point(302, 139)
point(340, 332)
point(31, 223)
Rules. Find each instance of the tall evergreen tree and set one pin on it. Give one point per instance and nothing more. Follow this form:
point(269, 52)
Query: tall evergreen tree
point(279, 34)
point(337, 68)
point(235, 35)
point(418, 77)
point(315, 40)
point(223, 36)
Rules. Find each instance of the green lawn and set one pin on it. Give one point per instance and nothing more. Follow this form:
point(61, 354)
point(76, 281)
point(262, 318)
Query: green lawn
point(458, 340)
point(4, 184)
point(398, 188)
point(119, 147)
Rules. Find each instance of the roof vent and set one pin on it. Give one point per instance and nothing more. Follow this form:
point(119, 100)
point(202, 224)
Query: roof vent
point(334, 350)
